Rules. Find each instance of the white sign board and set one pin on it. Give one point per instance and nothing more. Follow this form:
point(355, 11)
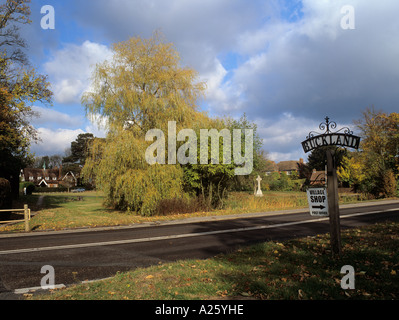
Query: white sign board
point(318, 204)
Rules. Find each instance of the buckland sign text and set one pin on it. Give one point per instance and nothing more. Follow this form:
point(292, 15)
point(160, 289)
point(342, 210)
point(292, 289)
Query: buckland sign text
point(331, 139)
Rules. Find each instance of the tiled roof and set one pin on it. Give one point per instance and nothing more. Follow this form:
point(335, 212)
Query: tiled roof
point(41, 173)
point(318, 177)
point(287, 165)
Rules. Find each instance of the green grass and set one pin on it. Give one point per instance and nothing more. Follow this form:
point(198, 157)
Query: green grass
point(295, 269)
point(71, 210)
point(240, 202)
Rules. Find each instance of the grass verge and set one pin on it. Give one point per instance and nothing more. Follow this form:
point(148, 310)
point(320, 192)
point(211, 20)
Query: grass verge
point(296, 269)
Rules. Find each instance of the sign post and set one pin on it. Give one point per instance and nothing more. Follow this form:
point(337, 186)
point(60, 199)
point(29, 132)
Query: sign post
point(345, 138)
point(333, 206)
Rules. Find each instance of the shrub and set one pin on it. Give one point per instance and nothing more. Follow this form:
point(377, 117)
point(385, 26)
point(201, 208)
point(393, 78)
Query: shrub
point(283, 182)
point(181, 205)
point(389, 184)
point(51, 190)
point(30, 189)
point(142, 190)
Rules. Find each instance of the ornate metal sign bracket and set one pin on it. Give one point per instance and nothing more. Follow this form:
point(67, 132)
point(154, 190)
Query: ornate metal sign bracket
point(343, 137)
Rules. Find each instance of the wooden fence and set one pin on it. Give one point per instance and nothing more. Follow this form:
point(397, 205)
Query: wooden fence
point(26, 218)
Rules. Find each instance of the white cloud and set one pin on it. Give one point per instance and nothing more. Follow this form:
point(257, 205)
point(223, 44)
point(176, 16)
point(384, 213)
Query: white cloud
point(71, 67)
point(313, 68)
point(54, 141)
point(282, 137)
point(214, 80)
point(200, 29)
point(49, 116)
point(221, 94)
point(98, 125)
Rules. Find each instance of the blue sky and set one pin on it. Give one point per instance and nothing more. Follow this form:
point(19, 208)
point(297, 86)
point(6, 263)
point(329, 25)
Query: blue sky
point(285, 63)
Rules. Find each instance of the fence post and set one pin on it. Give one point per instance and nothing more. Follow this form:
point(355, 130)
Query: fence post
point(26, 217)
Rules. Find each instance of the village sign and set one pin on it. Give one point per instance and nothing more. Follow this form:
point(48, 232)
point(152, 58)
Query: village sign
point(344, 138)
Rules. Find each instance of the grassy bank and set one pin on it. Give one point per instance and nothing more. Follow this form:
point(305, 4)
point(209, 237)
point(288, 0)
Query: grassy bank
point(295, 269)
point(72, 210)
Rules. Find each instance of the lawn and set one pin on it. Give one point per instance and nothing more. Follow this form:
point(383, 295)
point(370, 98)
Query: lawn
point(71, 210)
point(299, 269)
point(76, 210)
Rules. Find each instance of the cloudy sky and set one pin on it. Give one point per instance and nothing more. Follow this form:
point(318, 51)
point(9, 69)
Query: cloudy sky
point(287, 64)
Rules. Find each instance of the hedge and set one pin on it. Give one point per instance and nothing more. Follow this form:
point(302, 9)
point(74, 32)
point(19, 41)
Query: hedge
point(51, 190)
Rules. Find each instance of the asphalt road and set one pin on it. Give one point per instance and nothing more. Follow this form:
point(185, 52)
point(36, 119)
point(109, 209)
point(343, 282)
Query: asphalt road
point(88, 255)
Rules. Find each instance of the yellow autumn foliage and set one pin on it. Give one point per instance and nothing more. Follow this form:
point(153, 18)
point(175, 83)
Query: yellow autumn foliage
point(141, 88)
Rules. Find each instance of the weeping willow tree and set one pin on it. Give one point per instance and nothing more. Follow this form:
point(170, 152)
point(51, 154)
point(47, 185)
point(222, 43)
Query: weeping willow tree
point(129, 183)
point(141, 88)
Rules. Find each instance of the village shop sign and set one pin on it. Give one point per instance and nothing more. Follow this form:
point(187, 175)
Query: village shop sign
point(344, 138)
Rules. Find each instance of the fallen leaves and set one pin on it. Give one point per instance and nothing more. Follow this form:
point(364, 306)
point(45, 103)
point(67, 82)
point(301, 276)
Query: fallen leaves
point(246, 294)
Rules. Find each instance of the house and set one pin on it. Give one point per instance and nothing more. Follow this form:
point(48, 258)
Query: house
point(318, 178)
point(270, 167)
point(283, 166)
point(289, 166)
point(50, 178)
point(70, 180)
